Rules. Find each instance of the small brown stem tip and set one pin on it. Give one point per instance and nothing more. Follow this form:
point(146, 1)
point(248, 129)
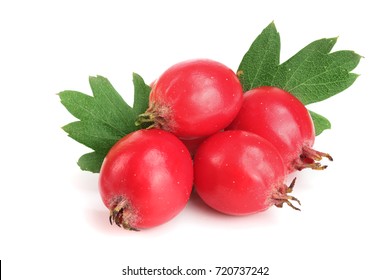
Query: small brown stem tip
point(280, 196)
point(310, 159)
point(117, 215)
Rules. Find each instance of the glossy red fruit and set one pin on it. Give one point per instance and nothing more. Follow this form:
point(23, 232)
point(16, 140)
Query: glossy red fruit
point(194, 98)
point(282, 119)
point(193, 144)
point(146, 179)
point(239, 173)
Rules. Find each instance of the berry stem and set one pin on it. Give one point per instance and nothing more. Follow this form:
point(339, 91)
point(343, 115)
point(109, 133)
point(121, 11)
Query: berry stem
point(280, 196)
point(155, 117)
point(310, 159)
point(316, 155)
point(146, 118)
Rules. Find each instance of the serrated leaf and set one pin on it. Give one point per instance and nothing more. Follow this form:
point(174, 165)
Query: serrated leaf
point(80, 105)
point(141, 95)
point(91, 162)
point(104, 118)
point(313, 74)
point(95, 135)
point(118, 113)
point(303, 65)
point(84, 107)
point(259, 64)
point(320, 122)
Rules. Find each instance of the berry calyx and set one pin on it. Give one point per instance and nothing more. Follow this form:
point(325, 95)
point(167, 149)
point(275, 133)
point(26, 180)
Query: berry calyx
point(121, 214)
point(310, 158)
point(280, 196)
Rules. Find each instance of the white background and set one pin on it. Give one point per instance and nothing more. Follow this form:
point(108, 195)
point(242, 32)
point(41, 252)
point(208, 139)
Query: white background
point(53, 223)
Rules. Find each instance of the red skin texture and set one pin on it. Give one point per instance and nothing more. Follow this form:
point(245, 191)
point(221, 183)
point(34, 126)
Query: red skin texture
point(238, 172)
point(195, 98)
point(152, 170)
point(279, 117)
point(193, 144)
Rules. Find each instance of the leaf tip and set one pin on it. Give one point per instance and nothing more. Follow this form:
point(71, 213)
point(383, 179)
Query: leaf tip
point(135, 75)
point(91, 162)
point(93, 78)
point(271, 25)
point(65, 128)
point(63, 94)
point(333, 40)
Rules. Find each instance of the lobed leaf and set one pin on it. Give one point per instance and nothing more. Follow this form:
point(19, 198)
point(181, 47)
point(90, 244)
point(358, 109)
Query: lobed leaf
point(313, 74)
point(95, 135)
point(259, 64)
point(141, 95)
point(104, 118)
point(91, 162)
point(84, 107)
point(117, 112)
point(80, 105)
point(320, 122)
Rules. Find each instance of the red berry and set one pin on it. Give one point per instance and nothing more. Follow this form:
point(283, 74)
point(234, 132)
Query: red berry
point(240, 173)
point(146, 179)
point(194, 98)
point(193, 144)
point(282, 119)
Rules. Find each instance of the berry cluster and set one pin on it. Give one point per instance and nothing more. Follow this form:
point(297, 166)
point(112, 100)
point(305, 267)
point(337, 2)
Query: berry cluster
point(202, 131)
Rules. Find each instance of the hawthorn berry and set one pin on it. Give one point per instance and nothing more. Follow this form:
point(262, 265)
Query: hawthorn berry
point(283, 120)
point(239, 173)
point(193, 99)
point(146, 179)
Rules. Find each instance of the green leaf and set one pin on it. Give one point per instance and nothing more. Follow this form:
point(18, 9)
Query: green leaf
point(118, 113)
point(313, 74)
point(91, 162)
point(95, 135)
point(320, 122)
point(80, 105)
point(260, 63)
point(141, 95)
point(306, 63)
point(103, 118)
